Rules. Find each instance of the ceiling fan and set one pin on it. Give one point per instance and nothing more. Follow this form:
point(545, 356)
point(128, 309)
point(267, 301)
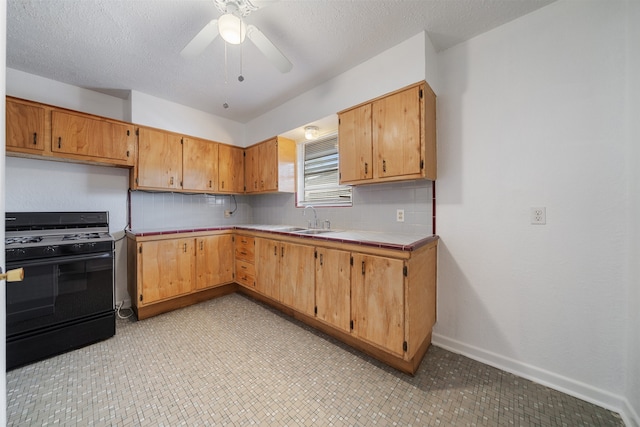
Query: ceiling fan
point(232, 28)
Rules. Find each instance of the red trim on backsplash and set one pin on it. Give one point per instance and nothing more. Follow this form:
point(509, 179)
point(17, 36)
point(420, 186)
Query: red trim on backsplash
point(433, 207)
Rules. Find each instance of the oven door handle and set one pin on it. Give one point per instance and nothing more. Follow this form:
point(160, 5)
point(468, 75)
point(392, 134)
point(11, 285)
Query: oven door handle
point(58, 260)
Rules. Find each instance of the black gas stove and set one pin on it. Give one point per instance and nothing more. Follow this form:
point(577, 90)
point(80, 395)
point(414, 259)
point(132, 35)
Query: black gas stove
point(66, 299)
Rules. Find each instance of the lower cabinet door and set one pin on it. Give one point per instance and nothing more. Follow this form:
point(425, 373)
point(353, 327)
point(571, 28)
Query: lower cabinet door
point(214, 261)
point(166, 269)
point(377, 301)
point(333, 287)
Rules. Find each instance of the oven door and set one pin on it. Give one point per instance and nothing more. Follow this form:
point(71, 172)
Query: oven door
point(59, 290)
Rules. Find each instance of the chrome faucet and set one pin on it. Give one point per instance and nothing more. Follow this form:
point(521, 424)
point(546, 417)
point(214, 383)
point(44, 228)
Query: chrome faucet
point(315, 216)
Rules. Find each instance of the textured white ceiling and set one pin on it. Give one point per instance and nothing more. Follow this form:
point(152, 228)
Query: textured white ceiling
point(115, 46)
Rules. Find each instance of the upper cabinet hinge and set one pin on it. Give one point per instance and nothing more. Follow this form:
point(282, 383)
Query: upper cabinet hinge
point(233, 238)
point(420, 93)
point(315, 254)
point(181, 140)
point(315, 310)
point(421, 164)
point(351, 261)
point(140, 249)
point(140, 297)
point(244, 154)
point(404, 346)
point(128, 133)
point(405, 271)
point(138, 132)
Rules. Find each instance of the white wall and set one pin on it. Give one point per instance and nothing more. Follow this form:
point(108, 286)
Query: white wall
point(3, 309)
point(530, 114)
point(399, 66)
point(47, 91)
point(633, 166)
point(156, 112)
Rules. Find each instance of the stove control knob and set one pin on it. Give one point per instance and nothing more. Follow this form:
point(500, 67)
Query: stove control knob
point(77, 246)
point(49, 250)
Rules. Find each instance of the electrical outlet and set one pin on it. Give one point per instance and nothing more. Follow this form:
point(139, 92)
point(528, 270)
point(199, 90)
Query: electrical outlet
point(400, 215)
point(539, 216)
point(227, 214)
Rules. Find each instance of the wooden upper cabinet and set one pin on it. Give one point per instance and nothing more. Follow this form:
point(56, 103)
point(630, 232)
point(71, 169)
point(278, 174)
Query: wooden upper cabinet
point(230, 169)
point(159, 160)
point(199, 165)
point(356, 145)
point(25, 124)
point(270, 166)
point(397, 148)
point(390, 138)
point(252, 169)
point(75, 134)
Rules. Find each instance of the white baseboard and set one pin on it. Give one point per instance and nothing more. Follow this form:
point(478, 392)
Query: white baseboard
point(552, 380)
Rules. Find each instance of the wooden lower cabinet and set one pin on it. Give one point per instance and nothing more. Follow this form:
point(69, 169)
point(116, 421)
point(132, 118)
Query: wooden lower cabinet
point(169, 273)
point(268, 268)
point(166, 269)
point(245, 261)
point(297, 277)
point(382, 302)
point(333, 287)
point(214, 261)
point(377, 301)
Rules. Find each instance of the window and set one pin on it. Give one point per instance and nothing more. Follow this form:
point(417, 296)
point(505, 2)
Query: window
point(318, 182)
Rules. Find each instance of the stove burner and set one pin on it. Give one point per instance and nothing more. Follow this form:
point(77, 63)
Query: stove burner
point(21, 240)
point(81, 236)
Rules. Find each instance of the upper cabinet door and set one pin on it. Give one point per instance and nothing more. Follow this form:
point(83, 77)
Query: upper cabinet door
point(355, 144)
point(199, 165)
point(397, 146)
point(252, 169)
point(159, 159)
point(89, 137)
point(25, 126)
point(268, 161)
point(230, 169)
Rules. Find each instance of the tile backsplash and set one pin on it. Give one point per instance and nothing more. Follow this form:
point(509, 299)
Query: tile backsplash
point(374, 208)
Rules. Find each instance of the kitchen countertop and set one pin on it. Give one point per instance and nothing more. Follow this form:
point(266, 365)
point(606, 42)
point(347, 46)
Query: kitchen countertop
point(380, 239)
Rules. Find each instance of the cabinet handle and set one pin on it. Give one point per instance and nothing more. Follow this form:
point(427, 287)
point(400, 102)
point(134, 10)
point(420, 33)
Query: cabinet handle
point(35, 138)
point(282, 252)
point(320, 259)
point(223, 184)
point(209, 183)
point(171, 181)
point(255, 185)
point(384, 166)
point(201, 245)
point(363, 268)
point(59, 142)
point(128, 153)
point(185, 248)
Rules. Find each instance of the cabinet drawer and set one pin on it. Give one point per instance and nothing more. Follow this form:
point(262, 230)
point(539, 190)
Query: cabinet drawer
point(245, 248)
point(245, 273)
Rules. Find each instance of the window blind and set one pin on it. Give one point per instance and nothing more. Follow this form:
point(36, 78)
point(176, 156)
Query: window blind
point(321, 180)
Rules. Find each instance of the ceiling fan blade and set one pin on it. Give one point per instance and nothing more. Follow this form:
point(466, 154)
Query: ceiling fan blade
point(201, 40)
point(268, 49)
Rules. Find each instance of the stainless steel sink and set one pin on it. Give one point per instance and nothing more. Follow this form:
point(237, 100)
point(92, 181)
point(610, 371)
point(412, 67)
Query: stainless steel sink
point(313, 231)
point(290, 229)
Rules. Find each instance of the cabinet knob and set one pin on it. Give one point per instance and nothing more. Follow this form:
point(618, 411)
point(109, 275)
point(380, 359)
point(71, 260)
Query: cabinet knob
point(366, 168)
point(384, 166)
point(210, 182)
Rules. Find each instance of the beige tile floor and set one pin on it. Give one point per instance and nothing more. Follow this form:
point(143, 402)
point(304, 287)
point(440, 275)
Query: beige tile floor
point(234, 362)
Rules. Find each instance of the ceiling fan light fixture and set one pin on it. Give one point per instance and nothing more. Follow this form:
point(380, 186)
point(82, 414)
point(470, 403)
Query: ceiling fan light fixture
point(232, 28)
point(311, 132)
